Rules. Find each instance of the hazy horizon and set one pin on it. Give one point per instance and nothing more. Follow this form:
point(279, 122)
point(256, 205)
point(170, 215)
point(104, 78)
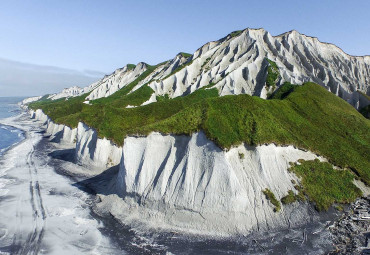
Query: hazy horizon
point(80, 37)
point(25, 80)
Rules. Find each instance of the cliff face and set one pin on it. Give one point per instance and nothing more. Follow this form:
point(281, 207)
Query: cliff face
point(187, 182)
point(90, 150)
point(237, 64)
point(94, 151)
point(190, 183)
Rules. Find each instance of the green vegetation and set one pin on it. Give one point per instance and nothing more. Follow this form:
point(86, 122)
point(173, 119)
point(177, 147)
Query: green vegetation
point(270, 196)
point(179, 68)
point(301, 196)
point(131, 66)
point(186, 55)
point(325, 185)
point(273, 74)
point(210, 85)
point(309, 117)
point(118, 99)
point(290, 198)
point(205, 62)
point(241, 155)
point(236, 33)
point(165, 97)
point(283, 91)
point(113, 120)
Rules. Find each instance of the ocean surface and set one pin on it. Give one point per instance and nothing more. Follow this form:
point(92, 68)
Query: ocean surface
point(9, 135)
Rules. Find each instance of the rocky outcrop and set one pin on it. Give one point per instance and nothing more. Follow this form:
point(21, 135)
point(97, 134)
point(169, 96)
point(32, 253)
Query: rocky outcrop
point(90, 150)
point(351, 233)
point(117, 80)
point(191, 184)
point(124, 76)
point(30, 100)
point(94, 151)
point(67, 92)
point(238, 65)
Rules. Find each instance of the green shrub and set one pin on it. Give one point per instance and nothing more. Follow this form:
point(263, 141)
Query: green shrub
point(131, 66)
point(290, 198)
point(273, 74)
point(271, 197)
point(186, 55)
point(283, 91)
point(165, 97)
point(325, 185)
point(236, 33)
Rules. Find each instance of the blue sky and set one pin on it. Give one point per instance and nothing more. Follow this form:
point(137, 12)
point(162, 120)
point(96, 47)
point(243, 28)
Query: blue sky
point(105, 35)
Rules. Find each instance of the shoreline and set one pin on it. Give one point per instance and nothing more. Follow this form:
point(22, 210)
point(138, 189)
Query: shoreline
point(22, 132)
point(254, 243)
point(37, 202)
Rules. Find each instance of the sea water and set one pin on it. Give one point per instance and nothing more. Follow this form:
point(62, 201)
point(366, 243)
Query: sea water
point(9, 135)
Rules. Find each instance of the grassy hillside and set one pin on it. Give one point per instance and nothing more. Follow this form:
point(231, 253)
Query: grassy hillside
point(306, 116)
point(323, 184)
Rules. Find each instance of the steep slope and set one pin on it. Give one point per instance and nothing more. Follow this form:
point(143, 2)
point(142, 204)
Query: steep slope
point(124, 76)
point(239, 63)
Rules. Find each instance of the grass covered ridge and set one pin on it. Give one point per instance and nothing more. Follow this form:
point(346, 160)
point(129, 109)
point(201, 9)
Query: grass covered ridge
point(308, 117)
point(324, 185)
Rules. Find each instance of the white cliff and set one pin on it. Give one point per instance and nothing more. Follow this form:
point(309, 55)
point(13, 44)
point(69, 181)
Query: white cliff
point(117, 80)
point(90, 150)
point(94, 151)
point(188, 183)
point(30, 100)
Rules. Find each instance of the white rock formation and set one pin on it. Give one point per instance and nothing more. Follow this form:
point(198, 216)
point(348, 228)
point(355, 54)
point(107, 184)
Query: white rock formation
point(117, 80)
point(60, 133)
point(94, 151)
point(30, 100)
point(189, 183)
point(90, 151)
point(238, 65)
point(124, 76)
point(67, 92)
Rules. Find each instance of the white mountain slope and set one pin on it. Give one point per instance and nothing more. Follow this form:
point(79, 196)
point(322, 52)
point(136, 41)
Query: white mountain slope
point(124, 76)
point(237, 64)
